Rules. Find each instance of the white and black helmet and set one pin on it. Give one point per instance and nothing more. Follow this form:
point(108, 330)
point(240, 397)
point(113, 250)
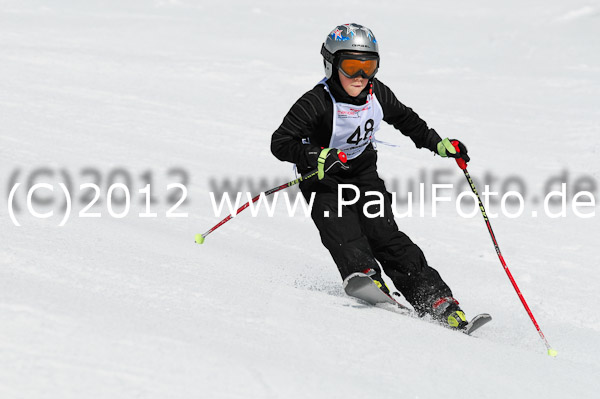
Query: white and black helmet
point(347, 38)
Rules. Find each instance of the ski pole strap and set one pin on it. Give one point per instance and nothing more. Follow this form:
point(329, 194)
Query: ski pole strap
point(445, 147)
point(321, 163)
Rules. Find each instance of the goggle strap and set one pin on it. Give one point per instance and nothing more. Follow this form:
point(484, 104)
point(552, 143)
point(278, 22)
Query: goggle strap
point(326, 54)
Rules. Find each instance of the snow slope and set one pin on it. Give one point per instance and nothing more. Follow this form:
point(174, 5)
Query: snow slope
point(189, 92)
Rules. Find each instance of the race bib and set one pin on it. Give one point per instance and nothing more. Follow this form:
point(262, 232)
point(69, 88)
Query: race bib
point(354, 126)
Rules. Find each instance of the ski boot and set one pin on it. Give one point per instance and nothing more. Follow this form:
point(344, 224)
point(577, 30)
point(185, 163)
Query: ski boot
point(447, 312)
point(377, 279)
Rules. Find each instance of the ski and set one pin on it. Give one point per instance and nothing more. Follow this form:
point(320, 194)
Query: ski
point(361, 286)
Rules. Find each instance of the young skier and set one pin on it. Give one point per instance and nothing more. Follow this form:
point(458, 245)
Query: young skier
point(336, 121)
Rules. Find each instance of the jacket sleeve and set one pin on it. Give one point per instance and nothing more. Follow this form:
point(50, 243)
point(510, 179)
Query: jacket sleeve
point(293, 141)
point(405, 119)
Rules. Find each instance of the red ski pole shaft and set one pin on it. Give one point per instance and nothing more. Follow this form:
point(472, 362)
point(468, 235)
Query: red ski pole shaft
point(463, 165)
point(200, 237)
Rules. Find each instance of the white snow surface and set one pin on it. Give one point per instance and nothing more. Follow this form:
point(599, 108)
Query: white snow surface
point(131, 307)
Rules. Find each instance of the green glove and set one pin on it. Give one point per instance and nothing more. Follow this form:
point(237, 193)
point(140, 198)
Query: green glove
point(331, 160)
point(445, 148)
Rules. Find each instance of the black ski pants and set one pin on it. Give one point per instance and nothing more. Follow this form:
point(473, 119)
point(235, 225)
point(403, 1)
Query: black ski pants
point(356, 242)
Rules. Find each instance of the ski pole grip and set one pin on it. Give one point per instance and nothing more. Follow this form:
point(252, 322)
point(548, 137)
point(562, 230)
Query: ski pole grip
point(461, 162)
point(342, 156)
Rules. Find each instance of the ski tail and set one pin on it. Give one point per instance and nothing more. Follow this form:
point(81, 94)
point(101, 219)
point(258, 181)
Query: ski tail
point(361, 286)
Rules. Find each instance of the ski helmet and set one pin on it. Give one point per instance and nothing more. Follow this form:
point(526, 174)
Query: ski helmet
point(347, 38)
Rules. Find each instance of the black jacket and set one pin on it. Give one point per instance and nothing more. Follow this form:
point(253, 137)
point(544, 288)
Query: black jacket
point(311, 118)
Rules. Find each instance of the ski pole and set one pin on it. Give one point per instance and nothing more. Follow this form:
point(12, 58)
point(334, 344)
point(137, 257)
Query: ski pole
point(200, 237)
point(463, 165)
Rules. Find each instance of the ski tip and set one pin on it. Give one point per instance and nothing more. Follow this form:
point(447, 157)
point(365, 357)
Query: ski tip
point(552, 352)
point(199, 239)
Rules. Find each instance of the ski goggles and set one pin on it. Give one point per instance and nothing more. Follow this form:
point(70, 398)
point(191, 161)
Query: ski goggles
point(353, 65)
